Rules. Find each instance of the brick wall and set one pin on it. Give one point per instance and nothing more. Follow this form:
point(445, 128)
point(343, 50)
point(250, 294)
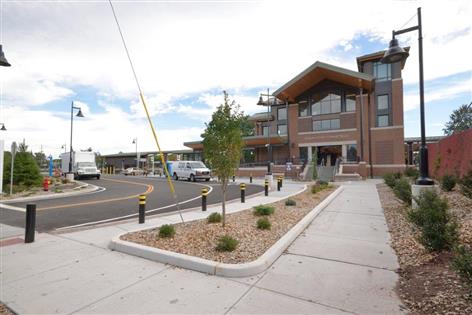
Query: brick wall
point(455, 153)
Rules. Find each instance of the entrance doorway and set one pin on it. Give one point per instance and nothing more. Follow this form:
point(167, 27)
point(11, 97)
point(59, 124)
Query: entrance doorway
point(327, 155)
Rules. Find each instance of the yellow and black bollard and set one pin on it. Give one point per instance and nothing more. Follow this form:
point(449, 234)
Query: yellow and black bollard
point(266, 187)
point(242, 187)
point(142, 208)
point(204, 198)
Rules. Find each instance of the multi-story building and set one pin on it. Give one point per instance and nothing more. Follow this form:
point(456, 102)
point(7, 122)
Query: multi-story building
point(336, 114)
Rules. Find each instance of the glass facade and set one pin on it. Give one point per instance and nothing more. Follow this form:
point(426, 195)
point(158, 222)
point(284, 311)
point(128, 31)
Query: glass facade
point(281, 113)
point(350, 102)
point(303, 109)
point(326, 103)
point(351, 153)
point(265, 130)
point(383, 111)
point(282, 129)
point(328, 124)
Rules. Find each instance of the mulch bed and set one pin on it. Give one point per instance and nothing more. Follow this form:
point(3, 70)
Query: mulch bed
point(428, 284)
point(198, 238)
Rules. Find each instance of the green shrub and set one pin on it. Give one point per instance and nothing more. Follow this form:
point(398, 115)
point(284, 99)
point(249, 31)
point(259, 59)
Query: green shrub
point(215, 217)
point(463, 262)
point(290, 202)
point(466, 184)
point(402, 190)
point(263, 224)
point(226, 244)
point(391, 178)
point(263, 210)
point(412, 172)
point(319, 186)
point(438, 228)
point(448, 182)
point(167, 230)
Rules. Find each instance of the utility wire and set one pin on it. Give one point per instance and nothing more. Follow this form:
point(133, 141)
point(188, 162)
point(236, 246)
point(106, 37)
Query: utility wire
point(401, 27)
point(141, 95)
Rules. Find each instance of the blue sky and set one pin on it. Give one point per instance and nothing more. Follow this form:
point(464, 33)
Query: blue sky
point(187, 53)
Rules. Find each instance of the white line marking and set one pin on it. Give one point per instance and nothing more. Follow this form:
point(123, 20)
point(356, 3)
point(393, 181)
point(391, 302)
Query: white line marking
point(2, 205)
point(133, 215)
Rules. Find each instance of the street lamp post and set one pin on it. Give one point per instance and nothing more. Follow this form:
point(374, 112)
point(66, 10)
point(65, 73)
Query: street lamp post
point(396, 53)
point(269, 148)
point(1, 159)
point(79, 114)
point(135, 141)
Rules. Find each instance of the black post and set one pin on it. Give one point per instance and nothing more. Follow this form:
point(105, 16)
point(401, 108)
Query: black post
point(30, 223)
point(278, 184)
point(234, 178)
point(250, 178)
point(142, 208)
point(71, 124)
point(266, 187)
point(242, 187)
point(424, 176)
point(281, 181)
point(204, 198)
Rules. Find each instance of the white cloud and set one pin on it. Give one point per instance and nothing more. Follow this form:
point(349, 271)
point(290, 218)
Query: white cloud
point(185, 48)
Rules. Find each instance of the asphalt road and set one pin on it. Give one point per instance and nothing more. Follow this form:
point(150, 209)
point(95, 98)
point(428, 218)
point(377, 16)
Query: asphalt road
point(118, 201)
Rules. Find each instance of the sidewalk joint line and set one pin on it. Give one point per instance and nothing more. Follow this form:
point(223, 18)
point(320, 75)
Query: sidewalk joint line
point(341, 261)
point(246, 292)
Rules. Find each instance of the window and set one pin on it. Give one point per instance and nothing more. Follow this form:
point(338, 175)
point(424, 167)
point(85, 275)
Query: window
point(329, 124)
point(282, 129)
point(350, 102)
point(281, 113)
point(303, 153)
point(326, 103)
point(382, 71)
point(383, 111)
point(351, 153)
point(265, 130)
point(303, 109)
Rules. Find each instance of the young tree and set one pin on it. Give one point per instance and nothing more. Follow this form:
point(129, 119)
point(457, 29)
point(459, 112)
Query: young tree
point(460, 120)
point(25, 170)
point(222, 143)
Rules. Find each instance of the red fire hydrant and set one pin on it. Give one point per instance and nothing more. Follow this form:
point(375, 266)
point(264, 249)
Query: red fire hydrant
point(45, 184)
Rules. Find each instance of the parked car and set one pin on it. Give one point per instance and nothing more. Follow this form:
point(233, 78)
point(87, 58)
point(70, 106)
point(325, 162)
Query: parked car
point(190, 170)
point(133, 171)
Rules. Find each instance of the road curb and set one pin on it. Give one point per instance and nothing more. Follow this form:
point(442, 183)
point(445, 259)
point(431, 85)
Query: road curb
point(222, 269)
point(57, 195)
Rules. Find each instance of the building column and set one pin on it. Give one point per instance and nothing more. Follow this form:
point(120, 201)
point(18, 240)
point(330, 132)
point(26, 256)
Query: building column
point(410, 153)
point(344, 151)
point(309, 154)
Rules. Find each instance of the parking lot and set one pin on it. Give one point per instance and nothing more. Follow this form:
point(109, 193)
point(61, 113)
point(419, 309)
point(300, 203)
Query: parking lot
point(118, 200)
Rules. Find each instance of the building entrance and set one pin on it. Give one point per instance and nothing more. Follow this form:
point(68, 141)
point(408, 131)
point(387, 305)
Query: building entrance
point(327, 155)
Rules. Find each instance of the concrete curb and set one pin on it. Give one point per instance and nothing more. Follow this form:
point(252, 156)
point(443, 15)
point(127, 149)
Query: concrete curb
point(77, 192)
point(222, 269)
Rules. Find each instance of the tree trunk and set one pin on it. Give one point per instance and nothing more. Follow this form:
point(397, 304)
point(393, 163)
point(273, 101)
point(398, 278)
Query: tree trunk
point(223, 188)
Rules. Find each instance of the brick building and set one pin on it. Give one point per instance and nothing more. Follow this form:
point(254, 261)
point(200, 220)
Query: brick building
point(334, 113)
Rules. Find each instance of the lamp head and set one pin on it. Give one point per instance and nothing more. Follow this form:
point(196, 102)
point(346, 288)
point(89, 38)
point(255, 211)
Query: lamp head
point(395, 53)
point(79, 114)
point(3, 60)
point(3, 128)
point(260, 102)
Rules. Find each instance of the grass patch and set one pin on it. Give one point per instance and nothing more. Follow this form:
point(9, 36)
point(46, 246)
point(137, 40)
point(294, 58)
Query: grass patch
point(226, 244)
point(167, 230)
point(448, 182)
point(290, 202)
point(263, 210)
point(215, 217)
point(263, 224)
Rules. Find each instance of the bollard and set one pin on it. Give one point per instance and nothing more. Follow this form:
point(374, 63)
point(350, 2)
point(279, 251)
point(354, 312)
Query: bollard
point(266, 187)
point(250, 179)
point(278, 183)
point(281, 181)
point(234, 178)
point(30, 223)
point(204, 198)
point(242, 187)
point(142, 208)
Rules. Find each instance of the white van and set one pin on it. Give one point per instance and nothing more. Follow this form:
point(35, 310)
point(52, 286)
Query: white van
point(191, 170)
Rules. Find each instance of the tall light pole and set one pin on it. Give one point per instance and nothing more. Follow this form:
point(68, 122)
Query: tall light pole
point(79, 114)
point(269, 149)
point(135, 141)
point(396, 53)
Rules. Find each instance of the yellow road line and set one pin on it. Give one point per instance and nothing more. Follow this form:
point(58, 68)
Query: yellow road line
point(150, 188)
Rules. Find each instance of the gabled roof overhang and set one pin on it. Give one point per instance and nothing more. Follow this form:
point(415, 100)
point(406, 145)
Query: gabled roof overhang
point(318, 72)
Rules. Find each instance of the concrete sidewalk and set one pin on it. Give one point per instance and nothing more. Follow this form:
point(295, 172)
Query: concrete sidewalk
point(341, 263)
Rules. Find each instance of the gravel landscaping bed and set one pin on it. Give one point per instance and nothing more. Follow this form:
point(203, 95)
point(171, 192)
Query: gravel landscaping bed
point(199, 238)
point(428, 284)
point(5, 310)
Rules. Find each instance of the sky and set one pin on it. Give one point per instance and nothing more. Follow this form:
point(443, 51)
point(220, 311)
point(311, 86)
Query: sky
point(187, 52)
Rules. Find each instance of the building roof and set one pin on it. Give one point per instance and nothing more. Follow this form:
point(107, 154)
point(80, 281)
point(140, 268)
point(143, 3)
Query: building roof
point(260, 117)
point(318, 72)
point(125, 154)
point(428, 139)
point(375, 56)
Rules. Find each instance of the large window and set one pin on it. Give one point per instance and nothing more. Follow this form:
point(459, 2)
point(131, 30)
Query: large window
point(265, 130)
point(382, 71)
point(303, 109)
point(350, 102)
point(282, 129)
point(326, 103)
point(328, 124)
point(383, 111)
point(281, 113)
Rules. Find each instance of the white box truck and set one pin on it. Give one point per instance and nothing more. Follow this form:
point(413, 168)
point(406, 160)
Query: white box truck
point(83, 164)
